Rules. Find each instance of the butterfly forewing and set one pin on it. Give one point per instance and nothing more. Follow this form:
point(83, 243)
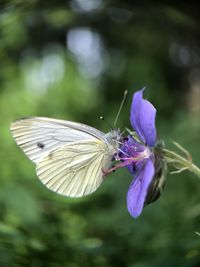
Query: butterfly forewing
point(38, 136)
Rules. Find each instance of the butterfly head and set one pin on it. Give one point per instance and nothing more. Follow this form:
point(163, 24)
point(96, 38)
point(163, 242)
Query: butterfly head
point(114, 137)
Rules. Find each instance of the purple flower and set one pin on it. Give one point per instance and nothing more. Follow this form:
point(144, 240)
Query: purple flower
point(138, 155)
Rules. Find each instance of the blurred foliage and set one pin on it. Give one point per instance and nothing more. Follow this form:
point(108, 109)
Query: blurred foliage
point(73, 60)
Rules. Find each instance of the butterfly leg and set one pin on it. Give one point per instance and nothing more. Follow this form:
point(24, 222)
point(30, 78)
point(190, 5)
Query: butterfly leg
point(114, 168)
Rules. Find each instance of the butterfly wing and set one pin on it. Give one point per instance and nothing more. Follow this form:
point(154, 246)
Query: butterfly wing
point(70, 157)
point(38, 136)
point(75, 169)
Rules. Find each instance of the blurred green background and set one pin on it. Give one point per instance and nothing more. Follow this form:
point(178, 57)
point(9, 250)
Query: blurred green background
point(73, 60)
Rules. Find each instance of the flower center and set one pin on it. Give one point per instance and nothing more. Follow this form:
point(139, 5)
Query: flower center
point(137, 156)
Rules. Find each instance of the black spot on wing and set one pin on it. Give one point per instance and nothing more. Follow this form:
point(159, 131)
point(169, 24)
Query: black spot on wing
point(40, 145)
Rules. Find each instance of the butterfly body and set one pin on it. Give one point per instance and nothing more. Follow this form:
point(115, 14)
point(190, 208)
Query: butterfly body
point(70, 157)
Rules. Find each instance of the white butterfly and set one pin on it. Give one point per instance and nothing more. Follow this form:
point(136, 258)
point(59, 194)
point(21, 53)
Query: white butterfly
point(71, 158)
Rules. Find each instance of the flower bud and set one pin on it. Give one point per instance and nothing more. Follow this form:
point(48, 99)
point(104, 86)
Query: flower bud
point(158, 183)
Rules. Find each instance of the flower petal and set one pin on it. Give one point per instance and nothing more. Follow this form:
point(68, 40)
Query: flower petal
point(138, 189)
point(142, 118)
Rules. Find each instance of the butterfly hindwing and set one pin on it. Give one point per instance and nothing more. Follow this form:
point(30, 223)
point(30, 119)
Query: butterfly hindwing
point(75, 169)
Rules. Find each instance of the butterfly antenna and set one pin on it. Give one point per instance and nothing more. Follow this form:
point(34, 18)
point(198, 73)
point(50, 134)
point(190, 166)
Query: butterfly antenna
point(120, 108)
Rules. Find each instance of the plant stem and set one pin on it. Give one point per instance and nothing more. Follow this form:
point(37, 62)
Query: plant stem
point(186, 163)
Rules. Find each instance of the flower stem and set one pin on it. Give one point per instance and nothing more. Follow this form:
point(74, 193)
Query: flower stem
point(195, 169)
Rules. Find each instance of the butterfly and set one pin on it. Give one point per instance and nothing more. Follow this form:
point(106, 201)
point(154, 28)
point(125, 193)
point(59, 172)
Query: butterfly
point(71, 158)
